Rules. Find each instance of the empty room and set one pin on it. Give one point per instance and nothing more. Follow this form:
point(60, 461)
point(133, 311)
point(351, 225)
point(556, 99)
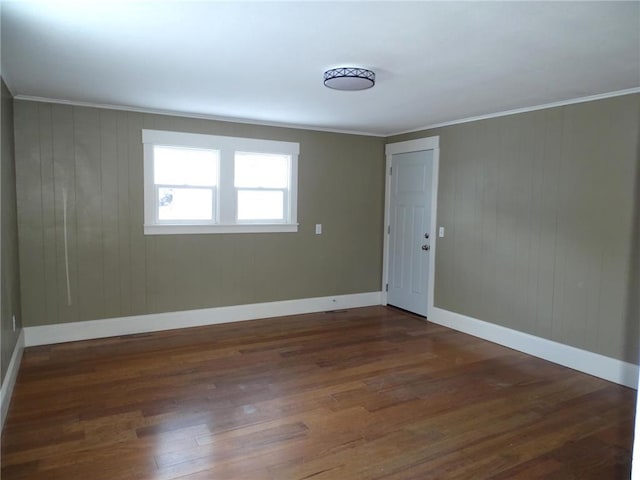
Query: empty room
point(345, 240)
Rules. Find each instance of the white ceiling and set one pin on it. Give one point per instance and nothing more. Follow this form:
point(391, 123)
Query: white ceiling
point(435, 62)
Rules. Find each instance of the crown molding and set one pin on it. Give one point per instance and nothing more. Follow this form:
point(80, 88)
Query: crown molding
point(591, 98)
point(200, 116)
point(247, 121)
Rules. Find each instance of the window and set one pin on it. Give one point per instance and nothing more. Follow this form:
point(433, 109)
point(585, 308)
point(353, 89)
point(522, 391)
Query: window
point(210, 184)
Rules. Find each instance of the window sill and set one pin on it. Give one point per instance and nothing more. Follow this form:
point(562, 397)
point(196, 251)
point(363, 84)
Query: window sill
point(198, 229)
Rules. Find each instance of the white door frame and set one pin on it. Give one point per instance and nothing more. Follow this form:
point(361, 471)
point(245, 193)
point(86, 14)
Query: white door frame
point(428, 143)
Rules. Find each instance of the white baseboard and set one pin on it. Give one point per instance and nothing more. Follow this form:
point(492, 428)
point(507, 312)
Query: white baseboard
point(594, 364)
point(6, 391)
point(111, 327)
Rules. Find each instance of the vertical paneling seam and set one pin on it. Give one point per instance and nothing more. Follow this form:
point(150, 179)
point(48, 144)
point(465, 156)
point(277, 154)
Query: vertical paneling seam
point(132, 306)
point(555, 237)
point(104, 274)
point(42, 216)
point(117, 210)
point(119, 248)
point(480, 206)
point(75, 205)
point(530, 160)
point(55, 229)
point(541, 165)
point(596, 342)
point(454, 207)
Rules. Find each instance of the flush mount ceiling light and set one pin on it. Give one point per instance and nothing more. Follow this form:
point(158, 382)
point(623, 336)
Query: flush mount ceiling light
point(349, 78)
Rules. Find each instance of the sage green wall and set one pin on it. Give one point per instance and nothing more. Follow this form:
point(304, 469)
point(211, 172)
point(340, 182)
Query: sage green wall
point(9, 241)
point(538, 210)
point(115, 270)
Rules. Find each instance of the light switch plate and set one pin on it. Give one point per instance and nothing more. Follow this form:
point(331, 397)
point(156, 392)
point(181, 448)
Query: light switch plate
point(441, 232)
point(318, 228)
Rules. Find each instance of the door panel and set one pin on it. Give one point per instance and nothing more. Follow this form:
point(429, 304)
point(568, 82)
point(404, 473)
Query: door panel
point(410, 220)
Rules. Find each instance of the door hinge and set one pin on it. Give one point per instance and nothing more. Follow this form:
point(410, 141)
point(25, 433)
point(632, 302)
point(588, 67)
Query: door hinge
point(386, 288)
point(388, 229)
point(390, 170)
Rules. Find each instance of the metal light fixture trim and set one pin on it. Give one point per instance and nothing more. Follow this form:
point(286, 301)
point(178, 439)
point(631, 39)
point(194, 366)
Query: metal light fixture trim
point(349, 78)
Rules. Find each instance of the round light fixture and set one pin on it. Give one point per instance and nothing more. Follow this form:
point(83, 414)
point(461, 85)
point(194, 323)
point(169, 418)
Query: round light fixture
point(349, 78)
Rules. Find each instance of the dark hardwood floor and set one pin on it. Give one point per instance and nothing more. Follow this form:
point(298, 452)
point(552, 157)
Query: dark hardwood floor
point(370, 393)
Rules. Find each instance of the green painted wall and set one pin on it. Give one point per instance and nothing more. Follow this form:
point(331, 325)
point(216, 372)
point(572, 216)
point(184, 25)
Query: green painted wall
point(9, 241)
point(95, 155)
point(540, 211)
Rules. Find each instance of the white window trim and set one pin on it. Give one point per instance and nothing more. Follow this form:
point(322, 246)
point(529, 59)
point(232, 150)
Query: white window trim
point(226, 146)
point(235, 228)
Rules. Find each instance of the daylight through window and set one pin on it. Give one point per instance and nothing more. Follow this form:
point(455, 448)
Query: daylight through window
point(198, 183)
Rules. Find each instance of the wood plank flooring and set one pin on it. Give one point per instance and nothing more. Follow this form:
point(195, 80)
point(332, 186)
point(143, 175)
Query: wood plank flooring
point(370, 393)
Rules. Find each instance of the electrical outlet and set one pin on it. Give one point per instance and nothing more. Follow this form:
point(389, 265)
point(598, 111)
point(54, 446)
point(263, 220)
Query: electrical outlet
point(441, 232)
point(318, 229)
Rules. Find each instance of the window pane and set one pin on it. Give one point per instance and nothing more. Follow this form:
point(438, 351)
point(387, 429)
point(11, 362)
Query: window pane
point(261, 170)
point(185, 166)
point(185, 203)
point(260, 205)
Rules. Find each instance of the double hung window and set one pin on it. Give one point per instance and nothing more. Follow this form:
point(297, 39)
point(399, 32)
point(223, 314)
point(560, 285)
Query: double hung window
point(198, 183)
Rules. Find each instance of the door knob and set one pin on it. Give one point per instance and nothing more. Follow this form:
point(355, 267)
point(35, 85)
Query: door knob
point(426, 235)
point(426, 247)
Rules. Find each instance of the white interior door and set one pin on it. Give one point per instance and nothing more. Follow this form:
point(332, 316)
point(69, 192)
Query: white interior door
point(410, 236)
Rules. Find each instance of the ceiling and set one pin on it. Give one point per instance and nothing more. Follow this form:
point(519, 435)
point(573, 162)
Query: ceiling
point(263, 62)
